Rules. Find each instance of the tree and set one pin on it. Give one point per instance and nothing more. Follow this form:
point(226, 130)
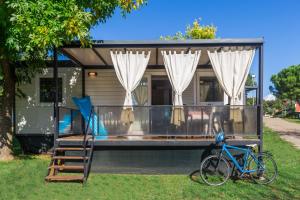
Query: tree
point(287, 84)
point(29, 29)
point(250, 80)
point(273, 108)
point(194, 31)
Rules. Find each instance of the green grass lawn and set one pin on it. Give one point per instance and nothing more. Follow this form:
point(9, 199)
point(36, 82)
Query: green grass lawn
point(24, 179)
point(293, 120)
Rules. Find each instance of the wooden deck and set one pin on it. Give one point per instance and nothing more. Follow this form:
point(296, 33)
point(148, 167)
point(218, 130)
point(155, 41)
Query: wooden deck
point(157, 140)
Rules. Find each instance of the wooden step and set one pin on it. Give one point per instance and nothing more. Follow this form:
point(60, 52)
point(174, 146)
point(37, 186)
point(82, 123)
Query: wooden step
point(65, 178)
point(74, 138)
point(71, 149)
point(69, 157)
point(67, 167)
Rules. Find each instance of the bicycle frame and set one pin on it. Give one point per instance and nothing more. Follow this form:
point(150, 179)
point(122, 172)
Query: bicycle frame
point(247, 151)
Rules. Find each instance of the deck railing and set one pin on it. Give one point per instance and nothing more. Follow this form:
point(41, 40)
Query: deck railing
point(157, 121)
point(70, 121)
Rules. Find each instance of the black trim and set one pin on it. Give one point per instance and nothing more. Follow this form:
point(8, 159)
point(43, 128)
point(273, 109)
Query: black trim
point(148, 66)
point(169, 43)
point(56, 109)
point(49, 64)
point(82, 94)
point(260, 97)
point(135, 144)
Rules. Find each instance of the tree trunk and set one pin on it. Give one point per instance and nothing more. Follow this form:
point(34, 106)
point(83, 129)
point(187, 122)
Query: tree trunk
point(6, 107)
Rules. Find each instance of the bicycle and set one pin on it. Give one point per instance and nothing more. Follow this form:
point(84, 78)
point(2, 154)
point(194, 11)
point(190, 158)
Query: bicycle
point(215, 170)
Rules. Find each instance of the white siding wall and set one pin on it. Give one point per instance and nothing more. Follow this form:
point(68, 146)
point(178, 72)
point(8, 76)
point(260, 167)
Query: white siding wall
point(35, 117)
point(188, 94)
point(105, 88)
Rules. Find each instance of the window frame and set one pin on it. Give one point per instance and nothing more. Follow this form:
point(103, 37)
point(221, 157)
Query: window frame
point(51, 81)
point(209, 73)
point(37, 86)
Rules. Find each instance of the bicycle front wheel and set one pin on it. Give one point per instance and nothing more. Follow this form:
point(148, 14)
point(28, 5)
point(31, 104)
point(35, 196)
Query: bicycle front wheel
point(215, 170)
point(265, 169)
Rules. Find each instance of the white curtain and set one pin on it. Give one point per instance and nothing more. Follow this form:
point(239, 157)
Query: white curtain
point(180, 68)
point(129, 68)
point(231, 68)
point(225, 99)
point(141, 95)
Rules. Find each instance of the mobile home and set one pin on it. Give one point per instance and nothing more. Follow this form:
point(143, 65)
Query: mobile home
point(155, 105)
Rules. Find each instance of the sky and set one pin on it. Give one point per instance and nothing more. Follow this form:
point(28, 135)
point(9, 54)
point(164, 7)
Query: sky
point(277, 21)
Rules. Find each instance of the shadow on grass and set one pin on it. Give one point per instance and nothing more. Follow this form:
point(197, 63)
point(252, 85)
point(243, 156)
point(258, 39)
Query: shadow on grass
point(195, 177)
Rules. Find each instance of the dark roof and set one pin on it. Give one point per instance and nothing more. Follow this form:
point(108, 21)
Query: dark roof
point(98, 54)
point(171, 43)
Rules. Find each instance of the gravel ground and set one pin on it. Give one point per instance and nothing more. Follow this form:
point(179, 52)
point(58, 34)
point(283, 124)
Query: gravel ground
point(288, 131)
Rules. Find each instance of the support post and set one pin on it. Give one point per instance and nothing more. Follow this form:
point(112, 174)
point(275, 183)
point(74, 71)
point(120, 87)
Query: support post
point(260, 97)
point(83, 82)
point(56, 110)
point(83, 95)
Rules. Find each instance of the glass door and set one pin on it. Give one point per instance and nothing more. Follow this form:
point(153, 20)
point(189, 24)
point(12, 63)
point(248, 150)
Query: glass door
point(209, 90)
point(161, 93)
point(161, 90)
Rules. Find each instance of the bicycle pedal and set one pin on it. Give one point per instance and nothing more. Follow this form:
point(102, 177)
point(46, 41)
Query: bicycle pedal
point(245, 176)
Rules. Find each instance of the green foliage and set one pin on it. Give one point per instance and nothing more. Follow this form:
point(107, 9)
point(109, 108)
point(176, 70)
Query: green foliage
point(1, 82)
point(38, 25)
point(194, 31)
point(294, 120)
point(29, 29)
point(273, 108)
point(287, 83)
point(198, 31)
point(250, 80)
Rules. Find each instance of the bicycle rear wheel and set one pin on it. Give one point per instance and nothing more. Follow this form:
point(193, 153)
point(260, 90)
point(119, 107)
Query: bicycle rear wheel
point(214, 170)
point(265, 169)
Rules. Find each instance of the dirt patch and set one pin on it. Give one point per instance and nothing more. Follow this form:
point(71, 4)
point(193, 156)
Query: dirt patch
point(288, 131)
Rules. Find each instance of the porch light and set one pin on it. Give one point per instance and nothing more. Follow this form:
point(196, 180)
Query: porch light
point(92, 74)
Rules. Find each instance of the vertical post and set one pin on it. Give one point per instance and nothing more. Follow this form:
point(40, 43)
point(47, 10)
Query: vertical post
point(83, 81)
point(260, 97)
point(56, 111)
point(83, 95)
point(71, 128)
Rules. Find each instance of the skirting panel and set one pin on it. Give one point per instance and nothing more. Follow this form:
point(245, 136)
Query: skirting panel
point(149, 161)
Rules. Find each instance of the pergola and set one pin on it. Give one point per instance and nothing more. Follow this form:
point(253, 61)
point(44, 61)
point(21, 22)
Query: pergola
point(97, 56)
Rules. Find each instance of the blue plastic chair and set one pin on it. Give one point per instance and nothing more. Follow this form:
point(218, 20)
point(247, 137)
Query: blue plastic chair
point(85, 107)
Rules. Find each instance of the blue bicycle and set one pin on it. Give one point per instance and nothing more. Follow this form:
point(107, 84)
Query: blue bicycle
point(216, 169)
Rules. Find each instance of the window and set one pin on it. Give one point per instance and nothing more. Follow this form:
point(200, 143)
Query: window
point(47, 90)
point(210, 90)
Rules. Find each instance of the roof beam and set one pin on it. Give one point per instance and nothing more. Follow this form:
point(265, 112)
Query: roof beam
point(99, 56)
point(111, 66)
point(75, 60)
point(188, 49)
